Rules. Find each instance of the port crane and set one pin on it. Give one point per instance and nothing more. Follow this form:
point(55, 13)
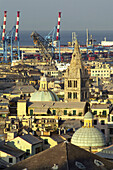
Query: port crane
point(44, 48)
point(2, 37)
point(10, 40)
point(54, 37)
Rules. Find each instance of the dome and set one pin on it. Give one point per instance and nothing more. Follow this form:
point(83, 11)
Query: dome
point(44, 96)
point(88, 116)
point(88, 137)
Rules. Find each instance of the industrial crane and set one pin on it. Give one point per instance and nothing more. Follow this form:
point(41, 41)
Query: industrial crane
point(42, 44)
point(2, 37)
point(10, 40)
point(54, 36)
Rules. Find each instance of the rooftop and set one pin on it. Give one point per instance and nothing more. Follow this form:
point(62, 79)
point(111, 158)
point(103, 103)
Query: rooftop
point(31, 139)
point(64, 156)
point(10, 150)
point(57, 104)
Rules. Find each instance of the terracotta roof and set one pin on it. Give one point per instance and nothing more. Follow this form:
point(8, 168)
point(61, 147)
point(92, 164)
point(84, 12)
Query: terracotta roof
point(66, 157)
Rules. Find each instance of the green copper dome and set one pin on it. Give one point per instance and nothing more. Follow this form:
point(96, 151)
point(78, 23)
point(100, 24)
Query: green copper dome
point(88, 137)
point(44, 96)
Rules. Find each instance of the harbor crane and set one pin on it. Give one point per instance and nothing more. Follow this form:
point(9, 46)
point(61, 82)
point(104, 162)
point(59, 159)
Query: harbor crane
point(10, 40)
point(44, 48)
point(54, 36)
point(2, 37)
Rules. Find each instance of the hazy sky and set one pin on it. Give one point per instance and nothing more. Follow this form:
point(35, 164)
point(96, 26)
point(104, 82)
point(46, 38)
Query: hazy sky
point(42, 14)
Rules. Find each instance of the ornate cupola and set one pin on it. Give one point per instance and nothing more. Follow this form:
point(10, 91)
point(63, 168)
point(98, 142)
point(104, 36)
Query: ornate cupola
point(43, 83)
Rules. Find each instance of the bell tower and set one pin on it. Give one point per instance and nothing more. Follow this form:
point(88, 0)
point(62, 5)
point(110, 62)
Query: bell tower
point(76, 84)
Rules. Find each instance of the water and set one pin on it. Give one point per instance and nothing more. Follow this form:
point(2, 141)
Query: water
point(66, 36)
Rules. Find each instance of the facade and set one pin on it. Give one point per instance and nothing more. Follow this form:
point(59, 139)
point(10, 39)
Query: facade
point(11, 155)
point(76, 84)
point(27, 143)
point(61, 109)
point(4, 107)
point(101, 70)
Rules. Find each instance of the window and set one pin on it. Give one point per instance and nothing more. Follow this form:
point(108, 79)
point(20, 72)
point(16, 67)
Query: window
point(18, 141)
point(69, 95)
point(10, 160)
point(27, 151)
point(54, 112)
point(75, 83)
point(112, 118)
point(111, 131)
point(86, 95)
point(31, 112)
point(74, 112)
point(69, 83)
point(65, 112)
point(95, 122)
point(74, 95)
point(104, 112)
point(95, 112)
point(102, 122)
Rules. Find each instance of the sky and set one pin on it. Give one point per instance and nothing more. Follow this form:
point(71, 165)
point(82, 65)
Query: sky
point(43, 14)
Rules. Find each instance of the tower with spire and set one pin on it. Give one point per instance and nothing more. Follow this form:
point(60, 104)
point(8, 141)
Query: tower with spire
point(76, 84)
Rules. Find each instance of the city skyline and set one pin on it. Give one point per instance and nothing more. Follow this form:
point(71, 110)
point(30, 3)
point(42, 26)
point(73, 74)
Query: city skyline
point(43, 15)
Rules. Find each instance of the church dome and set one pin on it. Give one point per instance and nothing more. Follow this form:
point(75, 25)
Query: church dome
point(88, 137)
point(44, 96)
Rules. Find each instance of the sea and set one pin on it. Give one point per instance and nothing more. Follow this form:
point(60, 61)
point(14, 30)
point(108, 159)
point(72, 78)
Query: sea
point(66, 36)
